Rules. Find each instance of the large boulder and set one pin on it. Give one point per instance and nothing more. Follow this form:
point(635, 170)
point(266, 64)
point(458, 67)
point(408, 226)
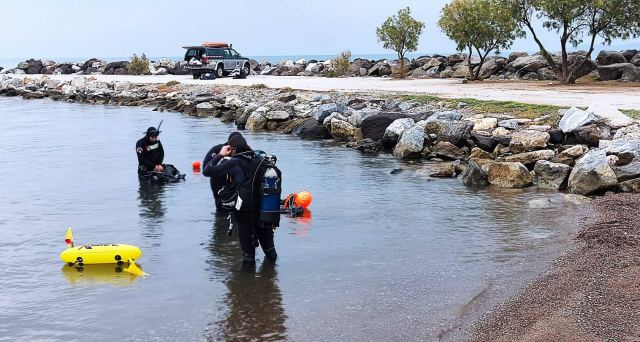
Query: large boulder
point(610, 57)
point(492, 66)
point(628, 171)
point(484, 140)
point(592, 174)
point(484, 124)
point(589, 135)
point(256, 122)
point(455, 132)
point(631, 74)
point(310, 128)
point(205, 109)
point(574, 152)
point(447, 150)
point(528, 64)
point(550, 175)
point(342, 130)
point(410, 144)
point(613, 72)
point(325, 110)
point(474, 175)
point(395, 130)
point(530, 158)
point(635, 60)
point(609, 115)
point(630, 186)
point(277, 115)
point(450, 115)
point(514, 55)
point(509, 175)
point(528, 140)
point(574, 118)
point(374, 126)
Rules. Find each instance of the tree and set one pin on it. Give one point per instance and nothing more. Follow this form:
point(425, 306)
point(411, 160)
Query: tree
point(400, 33)
point(483, 25)
point(574, 20)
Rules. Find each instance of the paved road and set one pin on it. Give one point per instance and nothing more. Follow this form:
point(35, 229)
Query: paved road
point(620, 96)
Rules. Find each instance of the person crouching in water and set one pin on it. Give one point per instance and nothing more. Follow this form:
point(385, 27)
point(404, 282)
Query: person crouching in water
point(242, 168)
point(150, 152)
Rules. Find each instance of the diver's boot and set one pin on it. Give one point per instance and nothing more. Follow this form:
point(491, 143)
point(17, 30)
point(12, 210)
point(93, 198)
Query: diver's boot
point(270, 254)
point(248, 261)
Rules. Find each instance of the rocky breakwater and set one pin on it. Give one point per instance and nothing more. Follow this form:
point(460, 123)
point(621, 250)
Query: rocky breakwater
point(586, 151)
point(608, 65)
point(93, 66)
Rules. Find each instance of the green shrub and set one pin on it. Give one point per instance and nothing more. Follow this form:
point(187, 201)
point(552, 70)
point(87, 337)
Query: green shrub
point(139, 65)
point(340, 65)
point(172, 83)
point(258, 86)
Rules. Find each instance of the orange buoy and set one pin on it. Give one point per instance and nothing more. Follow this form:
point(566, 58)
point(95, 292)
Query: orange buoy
point(196, 166)
point(303, 199)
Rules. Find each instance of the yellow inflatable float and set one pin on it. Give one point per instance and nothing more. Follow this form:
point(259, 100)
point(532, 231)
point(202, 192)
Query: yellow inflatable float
point(112, 253)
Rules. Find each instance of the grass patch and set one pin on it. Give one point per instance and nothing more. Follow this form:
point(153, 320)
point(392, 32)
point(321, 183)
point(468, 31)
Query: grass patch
point(258, 86)
point(633, 113)
point(172, 83)
point(517, 109)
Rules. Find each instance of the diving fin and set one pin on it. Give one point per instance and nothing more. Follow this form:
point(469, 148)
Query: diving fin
point(134, 269)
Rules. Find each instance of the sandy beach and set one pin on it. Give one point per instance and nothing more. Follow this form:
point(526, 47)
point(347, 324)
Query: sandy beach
point(620, 95)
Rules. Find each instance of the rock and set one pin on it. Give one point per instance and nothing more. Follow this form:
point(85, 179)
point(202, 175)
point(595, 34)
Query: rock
point(484, 140)
point(550, 175)
point(514, 55)
point(556, 136)
point(530, 158)
point(446, 73)
point(631, 132)
point(620, 146)
point(461, 72)
point(455, 132)
point(574, 118)
point(456, 58)
point(610, 57)
point(395, 130)
point(546, 74)
point(613, 71)
point(509, 124)
point(277, 115)
point(444, 170)
point(628, 171)
point(528, 140)
point(574, 152)
point(609, 115)
point(374, 126)
point(492, 66)
point(405, 106)
point(474, 175)
point(630, 186)
point(410, 144)
point(447, 150)
point(635, 60)
point(310, 128)
point(161, 71)
point(342, 130)
point(451, 115)
point(528, 64)
point(484, 124)
point(478, 153)
point(631, 74)
point(589, 135)
point(287, 98)
point(205, 109)
point(625, 158)
point(358, 116)
point(508, 175)
point(592, 174)
point(256, 122)
point(629, 54)
point(325, 110)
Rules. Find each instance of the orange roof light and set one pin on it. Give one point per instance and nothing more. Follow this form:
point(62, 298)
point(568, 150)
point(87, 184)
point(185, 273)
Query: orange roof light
point(215, 44)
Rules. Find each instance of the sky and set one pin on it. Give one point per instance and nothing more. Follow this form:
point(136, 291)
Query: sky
point(118, 28)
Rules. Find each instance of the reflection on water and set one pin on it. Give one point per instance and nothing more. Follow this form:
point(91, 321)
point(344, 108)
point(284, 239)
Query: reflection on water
point(252, 308)
point(101, 274)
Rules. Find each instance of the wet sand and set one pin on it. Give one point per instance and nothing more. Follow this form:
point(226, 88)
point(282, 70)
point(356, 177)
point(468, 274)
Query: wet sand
point(619, 95)
point(592, 293)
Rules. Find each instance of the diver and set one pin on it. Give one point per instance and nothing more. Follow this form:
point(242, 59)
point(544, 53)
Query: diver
point(243, 166)
point(150, 152)
point(217, 183)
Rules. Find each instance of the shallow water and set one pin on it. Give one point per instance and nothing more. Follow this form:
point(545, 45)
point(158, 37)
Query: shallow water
point(383, 256)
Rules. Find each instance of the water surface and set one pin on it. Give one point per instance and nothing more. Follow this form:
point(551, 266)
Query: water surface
point(382, 257)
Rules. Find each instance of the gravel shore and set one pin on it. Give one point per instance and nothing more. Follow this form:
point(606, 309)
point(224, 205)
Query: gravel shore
point(592, 293)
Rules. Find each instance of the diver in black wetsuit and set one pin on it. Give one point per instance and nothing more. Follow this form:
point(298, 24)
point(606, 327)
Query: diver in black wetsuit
point(150, 152)
point(218, 182)
point(241, 166)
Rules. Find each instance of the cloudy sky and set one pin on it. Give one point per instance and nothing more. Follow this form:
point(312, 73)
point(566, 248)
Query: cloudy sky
point(115, 28)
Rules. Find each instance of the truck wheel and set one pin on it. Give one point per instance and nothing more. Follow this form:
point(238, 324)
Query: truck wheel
point(196, 75)
point(220, 71)
point(246, 69)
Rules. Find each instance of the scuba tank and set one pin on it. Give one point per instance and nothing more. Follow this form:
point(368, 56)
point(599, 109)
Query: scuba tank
point(269, 197)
